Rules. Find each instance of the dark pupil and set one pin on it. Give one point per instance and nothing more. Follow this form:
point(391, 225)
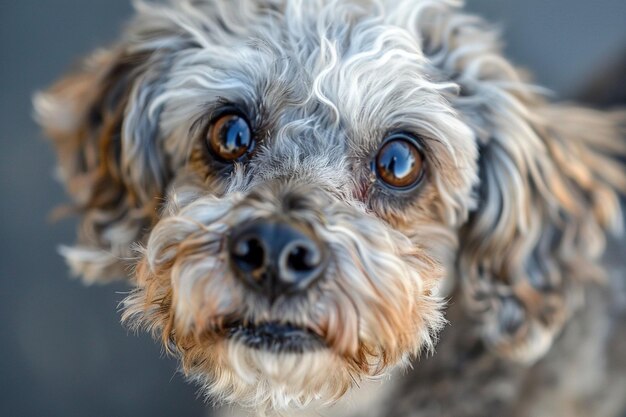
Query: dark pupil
point(235, 136)
point(397, 162)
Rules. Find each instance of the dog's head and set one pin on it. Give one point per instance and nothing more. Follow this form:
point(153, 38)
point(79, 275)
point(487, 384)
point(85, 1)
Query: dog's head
point(292, 181)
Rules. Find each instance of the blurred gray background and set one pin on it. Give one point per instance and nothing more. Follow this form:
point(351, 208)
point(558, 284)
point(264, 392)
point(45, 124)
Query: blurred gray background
point(63, 351)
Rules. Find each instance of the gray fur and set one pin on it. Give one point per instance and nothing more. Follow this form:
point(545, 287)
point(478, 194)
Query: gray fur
point(518, 197)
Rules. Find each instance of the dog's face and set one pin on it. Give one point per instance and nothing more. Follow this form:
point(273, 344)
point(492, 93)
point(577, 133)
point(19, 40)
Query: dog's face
point(297, 177)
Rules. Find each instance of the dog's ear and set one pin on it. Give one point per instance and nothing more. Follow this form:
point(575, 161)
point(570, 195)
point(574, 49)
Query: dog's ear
point(547, 197)
point(548, 194)
point(109, 154)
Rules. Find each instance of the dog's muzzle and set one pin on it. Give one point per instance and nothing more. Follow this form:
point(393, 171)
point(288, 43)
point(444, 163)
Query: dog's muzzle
point(276, 258)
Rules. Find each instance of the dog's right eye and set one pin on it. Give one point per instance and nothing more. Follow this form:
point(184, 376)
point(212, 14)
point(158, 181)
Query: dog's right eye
point(229, 137)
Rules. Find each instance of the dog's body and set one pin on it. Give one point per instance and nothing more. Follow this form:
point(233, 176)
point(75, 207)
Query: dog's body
point(583, 374)
point(301, 186)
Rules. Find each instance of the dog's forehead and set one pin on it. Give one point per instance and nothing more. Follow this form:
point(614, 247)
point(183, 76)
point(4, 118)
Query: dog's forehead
point(328, 75)
point(334, 67)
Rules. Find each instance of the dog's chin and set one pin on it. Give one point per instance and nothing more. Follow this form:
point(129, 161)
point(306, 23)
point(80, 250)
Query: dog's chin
point(274, 337)
point(272, 366)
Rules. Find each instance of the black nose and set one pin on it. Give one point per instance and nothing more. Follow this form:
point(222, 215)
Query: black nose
point(275, 258)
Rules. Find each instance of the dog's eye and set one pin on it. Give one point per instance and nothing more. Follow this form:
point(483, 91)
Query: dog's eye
point(399, 163)
point(229, 137)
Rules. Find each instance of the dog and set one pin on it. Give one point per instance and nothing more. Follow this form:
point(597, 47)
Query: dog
point(310, 196)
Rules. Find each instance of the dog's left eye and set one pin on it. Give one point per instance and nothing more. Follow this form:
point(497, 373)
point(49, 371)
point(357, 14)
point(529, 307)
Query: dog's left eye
point(229, 137)
point(399, 163)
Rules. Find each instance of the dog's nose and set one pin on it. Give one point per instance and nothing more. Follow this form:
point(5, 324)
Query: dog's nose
point(275, 258)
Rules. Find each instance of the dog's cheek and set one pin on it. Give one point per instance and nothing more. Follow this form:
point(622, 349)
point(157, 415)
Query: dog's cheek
point(386, 290)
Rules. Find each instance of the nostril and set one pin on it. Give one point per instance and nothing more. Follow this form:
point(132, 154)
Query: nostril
point(249, 254)
point(303, 258)
point(300, 264)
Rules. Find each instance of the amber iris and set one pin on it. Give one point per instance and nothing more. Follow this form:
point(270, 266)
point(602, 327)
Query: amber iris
point(399, 163)
point(229, 137)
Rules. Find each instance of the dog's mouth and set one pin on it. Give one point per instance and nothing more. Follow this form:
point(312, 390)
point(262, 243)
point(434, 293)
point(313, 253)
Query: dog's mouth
point(275, 336)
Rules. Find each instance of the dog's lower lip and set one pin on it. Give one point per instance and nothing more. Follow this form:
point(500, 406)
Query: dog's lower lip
point(275, 336)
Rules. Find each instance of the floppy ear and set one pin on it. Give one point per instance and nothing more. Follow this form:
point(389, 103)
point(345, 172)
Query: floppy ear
point(106, 123)
point(548, 193)
point(109, 154)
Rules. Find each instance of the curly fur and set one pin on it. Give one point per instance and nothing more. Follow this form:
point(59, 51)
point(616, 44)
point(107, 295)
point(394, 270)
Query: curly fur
point(519, 196)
